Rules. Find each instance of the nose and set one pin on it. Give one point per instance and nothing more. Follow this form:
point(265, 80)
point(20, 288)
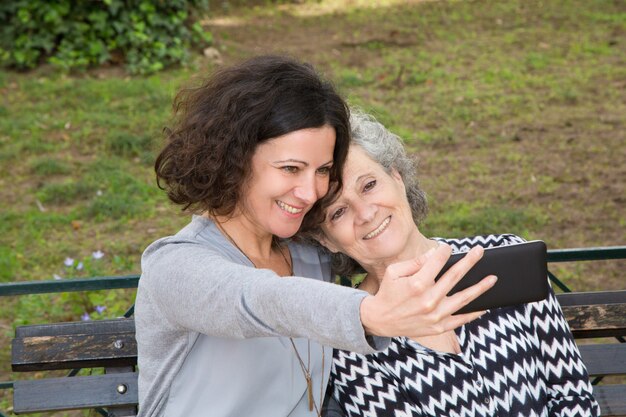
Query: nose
point(364, 211)
point(311, 188)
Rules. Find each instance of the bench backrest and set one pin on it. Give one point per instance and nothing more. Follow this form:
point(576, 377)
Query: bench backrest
point(108, 344)
point(104, 343)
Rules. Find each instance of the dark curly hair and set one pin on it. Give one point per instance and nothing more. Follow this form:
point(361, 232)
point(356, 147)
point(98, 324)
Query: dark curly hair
point(219, 124)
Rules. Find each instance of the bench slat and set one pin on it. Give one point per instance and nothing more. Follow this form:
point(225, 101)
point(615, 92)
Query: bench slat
point(74, 351)
point(611, 399)
point(592, 297)
point(606, 359)
point(600, 320)
point(113, 326)
point(74, 393)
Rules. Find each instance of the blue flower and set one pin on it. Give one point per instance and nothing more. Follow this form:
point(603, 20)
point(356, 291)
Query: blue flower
point(80, 266)
point(97, 254)
point(100, 309)
point(68, 262)
point(57, 277)
point(85, 317)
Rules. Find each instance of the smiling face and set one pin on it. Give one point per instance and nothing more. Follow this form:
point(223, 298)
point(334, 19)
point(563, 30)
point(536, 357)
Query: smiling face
point(371, 220)
point(288, 175)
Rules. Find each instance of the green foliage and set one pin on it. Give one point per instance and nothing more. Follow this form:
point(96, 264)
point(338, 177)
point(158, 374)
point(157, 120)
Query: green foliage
point(8, 263)
point(125, 144)
point(348, 77)
point(64, 193)
point(71, 306)
point(144, 35)
point(118, 194)
point(467, 219)
point(47, 166)
point(105, 191)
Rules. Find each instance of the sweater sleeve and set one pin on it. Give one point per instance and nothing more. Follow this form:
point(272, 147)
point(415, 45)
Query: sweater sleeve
point(569, 391)
point(196, 288)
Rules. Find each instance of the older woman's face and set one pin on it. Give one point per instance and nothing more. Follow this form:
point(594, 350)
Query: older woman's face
point(371, 220)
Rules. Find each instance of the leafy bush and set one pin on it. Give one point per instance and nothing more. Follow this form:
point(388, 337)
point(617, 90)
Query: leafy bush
point(144, 35)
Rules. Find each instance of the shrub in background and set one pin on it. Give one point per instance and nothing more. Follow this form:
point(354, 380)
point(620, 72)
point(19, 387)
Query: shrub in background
point(143, 35)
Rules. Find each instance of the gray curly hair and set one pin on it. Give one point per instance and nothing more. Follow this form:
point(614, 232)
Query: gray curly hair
point(387, 149)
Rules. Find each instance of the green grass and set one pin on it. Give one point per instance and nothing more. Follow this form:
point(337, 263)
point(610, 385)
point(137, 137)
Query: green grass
point(76, 158)
point(462, 77)
point(514, 108)
point(467, 219)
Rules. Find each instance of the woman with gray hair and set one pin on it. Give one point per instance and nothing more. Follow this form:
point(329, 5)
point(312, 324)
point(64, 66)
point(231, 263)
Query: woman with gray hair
point(386, 149)
point(515, 361)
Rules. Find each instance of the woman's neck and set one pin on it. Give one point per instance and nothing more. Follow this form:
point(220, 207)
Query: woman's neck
point(259, 248)
point(254, 244)
point(417, 245)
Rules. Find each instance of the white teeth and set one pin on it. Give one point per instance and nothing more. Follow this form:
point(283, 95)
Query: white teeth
point(378, 230)
point(288, 208)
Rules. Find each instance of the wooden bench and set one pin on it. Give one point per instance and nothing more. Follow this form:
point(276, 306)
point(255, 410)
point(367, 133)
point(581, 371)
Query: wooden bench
point(107, 344)
point(110, 344)
point(601, 316)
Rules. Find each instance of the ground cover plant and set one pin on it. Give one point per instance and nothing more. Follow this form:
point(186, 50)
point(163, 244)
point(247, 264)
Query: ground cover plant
point(144, 36)
point(516, 110)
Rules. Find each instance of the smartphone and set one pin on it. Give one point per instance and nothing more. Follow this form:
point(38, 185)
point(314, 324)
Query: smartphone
point(522, 272)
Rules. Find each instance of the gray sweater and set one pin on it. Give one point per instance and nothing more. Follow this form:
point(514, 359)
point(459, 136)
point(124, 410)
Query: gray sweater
point(210, 328)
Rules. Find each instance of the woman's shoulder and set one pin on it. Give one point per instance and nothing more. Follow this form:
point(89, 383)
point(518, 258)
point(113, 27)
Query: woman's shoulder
point(199, 232)
point(313, 261)
point(464, 244)
point(308, 250)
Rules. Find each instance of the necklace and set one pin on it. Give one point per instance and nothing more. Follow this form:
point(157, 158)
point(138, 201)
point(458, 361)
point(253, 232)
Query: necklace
point(306, 370)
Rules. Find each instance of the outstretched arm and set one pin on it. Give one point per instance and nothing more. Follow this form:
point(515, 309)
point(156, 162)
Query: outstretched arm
point(194, 287)
point(197, 288)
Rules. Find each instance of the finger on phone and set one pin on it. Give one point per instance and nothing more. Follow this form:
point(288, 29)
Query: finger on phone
point(457, 271)
point(455, 302)
point(412, 267)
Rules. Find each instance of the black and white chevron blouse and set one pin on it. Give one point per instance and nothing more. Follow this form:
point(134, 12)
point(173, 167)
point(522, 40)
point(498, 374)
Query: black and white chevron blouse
point(515, 361)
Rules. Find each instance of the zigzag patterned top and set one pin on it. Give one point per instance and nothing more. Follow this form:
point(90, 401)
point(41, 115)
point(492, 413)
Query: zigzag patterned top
point(515, 361)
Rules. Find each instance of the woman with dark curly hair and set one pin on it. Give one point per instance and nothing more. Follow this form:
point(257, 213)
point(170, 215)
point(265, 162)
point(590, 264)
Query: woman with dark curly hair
point(226, 323)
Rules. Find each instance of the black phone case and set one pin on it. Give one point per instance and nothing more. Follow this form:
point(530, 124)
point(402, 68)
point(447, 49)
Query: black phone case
point(522, 272)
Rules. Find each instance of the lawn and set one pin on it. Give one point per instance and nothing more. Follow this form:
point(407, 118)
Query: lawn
point(516, 111)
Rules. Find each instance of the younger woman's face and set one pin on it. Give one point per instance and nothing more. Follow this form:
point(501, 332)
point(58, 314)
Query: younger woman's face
point(289, 174)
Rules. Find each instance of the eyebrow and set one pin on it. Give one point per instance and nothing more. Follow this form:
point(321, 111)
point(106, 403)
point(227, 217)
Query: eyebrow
point(360, 177)
point(338, 199)
point(306, 164)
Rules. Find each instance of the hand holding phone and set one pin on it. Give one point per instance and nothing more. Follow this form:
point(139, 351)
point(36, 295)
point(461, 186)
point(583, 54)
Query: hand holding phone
point(522, 273)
